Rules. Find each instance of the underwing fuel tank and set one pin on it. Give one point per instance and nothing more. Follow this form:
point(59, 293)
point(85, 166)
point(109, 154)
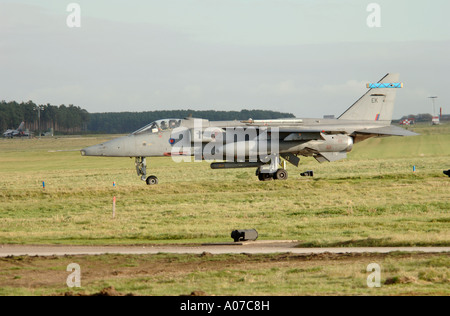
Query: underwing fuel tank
point(332, 143)
point(327, 143)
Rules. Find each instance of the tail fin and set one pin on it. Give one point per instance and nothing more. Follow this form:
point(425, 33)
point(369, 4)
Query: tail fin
point(377, 104)
point(21, 127)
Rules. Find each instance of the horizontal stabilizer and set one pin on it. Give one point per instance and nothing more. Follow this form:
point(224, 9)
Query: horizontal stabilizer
point(387, 130)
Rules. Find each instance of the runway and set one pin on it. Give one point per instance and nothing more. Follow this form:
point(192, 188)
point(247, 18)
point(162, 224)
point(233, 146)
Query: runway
point(256, 247)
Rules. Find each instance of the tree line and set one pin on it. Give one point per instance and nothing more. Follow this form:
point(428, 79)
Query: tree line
point(64, 119)
point(127, 122)
point(73, 119)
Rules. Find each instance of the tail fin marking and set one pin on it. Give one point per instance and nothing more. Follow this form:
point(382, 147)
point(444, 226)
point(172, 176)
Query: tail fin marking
point(377, 104)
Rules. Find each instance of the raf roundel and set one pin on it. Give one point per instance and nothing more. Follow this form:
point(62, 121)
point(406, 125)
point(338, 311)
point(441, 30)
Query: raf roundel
point(172, 141)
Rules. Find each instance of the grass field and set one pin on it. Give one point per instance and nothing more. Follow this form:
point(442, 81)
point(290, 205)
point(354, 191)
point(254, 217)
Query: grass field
point(242, 274)
point(371, 199)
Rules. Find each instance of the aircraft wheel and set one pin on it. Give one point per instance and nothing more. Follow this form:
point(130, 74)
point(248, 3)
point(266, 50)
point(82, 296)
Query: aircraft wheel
point(152, 180)
point(281, 174)
point(265, 176)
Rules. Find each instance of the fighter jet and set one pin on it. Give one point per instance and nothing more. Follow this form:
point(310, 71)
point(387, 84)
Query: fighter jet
point(262, 144)
point(16, 132)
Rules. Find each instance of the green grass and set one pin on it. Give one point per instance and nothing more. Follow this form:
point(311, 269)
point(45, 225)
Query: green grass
point(372, 198)
point(240, 274)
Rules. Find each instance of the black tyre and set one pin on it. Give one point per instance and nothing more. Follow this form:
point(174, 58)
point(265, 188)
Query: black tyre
point(281, 174)
point(264, 176)
point(152, 180)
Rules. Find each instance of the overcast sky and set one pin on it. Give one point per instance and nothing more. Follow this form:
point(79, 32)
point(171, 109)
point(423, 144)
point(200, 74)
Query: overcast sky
point(306, 57)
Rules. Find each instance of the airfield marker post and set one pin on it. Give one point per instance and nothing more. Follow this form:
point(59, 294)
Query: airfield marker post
point(114, 202)
point(114, 207)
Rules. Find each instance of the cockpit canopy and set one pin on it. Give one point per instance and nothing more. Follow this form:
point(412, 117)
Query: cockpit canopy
point(158, 126)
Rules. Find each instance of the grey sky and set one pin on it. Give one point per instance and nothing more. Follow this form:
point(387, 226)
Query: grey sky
point(306, 57)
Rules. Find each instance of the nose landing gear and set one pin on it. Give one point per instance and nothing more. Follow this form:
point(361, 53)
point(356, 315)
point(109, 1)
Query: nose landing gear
point(141, 170)
point(151, 180)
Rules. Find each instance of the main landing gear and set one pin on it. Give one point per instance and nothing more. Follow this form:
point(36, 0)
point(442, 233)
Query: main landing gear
point(141, 170)
point(280, 174)
point(271, 170)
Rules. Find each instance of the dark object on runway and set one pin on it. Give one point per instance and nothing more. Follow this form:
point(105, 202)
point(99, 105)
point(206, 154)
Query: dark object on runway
point(244, 234)
point(308, 173)
point(447, 172)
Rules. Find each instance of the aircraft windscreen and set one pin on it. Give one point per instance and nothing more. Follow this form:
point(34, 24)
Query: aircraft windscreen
point(158, 126)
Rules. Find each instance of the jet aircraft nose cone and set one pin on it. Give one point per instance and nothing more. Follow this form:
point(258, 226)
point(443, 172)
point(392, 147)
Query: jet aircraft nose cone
point(119, 147)
point(96, 150)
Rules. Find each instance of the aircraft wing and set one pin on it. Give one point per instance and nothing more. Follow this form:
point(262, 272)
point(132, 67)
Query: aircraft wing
point(305, 133)
point(302, 133)
point(386, 131)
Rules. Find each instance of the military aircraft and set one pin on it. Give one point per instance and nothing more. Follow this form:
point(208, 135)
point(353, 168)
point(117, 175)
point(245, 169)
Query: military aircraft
point(16, 132)
point(260, 144)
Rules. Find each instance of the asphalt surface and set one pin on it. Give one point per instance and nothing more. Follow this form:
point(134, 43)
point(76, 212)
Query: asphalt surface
point(255, 247)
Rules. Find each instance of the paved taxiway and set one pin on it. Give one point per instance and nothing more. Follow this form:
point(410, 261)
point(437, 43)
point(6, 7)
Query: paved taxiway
point(257, 247)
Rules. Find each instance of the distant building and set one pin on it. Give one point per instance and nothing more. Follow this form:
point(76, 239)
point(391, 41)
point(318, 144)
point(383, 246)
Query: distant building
point(409, 121)
point(435, 120)
point(328, 117)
